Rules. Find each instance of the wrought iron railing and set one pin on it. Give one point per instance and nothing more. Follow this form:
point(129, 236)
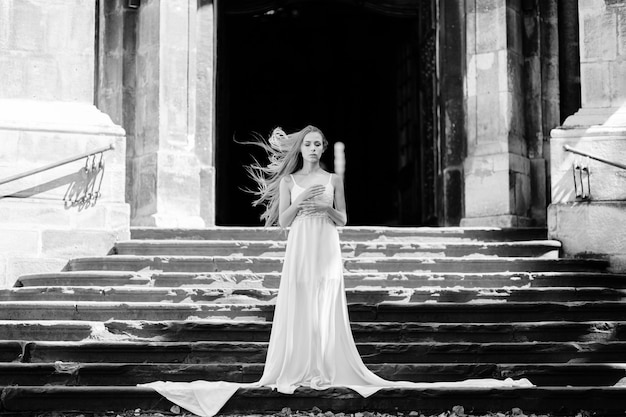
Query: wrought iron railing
point(82, 192)
point(594, 157)
point(581, 173)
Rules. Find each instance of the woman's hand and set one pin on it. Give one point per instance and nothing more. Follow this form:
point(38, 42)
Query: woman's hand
point(309, 194)
point(311, 206)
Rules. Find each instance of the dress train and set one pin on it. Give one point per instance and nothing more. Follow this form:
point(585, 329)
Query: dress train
point(311, 343)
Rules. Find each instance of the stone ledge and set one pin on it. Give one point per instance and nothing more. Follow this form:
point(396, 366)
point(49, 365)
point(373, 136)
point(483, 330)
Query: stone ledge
point(504, 220)
point(56, 116)
point(591, 229)
point(607, 400)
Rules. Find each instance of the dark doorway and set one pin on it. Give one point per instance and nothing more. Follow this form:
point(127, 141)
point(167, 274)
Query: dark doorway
point(352, 72)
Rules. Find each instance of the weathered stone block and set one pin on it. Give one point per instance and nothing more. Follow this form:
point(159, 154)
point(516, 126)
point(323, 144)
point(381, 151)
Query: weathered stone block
point(600, 132)
point(18, 266)
point(4, 280)
point(453, 196)
point(486, 193)
point(205, 94)
point(488, 148)
point(484, 164)
point(617, 72)
point(487, 120)
point(621, 31)
point(504, 220)
point(19, 241)
point(470, 6)
point(512, 122)
point(490, 25)
point(538, 190)
point(24, 13)
point(178, 183)
point(470, 27)
point(207, 195)
point(514, 28)
point(595, 84)
point(472, 122)
point(606, 182)
point(43, 41)
point(10, 142)
point(75, 243)
point(175, 21)
point(33, 213)
point(598, 31)
point(145, 185)
point(518, 163)
point(117, 218)
point(487, 73)
point(590, 229)
point(470, 79)
point(520, 193)
point(12, 75)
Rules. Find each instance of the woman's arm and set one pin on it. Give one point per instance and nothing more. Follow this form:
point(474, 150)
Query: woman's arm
point(338, 213)
point(286, 211)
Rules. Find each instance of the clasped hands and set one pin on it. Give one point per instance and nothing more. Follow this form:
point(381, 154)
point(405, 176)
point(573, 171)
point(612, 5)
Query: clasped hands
point(309, 204)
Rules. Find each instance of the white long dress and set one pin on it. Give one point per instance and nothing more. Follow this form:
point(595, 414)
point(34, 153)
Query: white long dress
point(311, 344)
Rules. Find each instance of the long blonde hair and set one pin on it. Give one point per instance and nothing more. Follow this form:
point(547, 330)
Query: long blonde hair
point(283, 151)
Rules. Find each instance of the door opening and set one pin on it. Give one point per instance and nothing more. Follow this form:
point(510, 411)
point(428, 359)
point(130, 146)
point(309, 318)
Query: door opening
point(356, 74)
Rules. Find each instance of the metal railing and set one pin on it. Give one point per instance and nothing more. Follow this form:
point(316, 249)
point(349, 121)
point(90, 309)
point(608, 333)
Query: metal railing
point(582, 174)
point(594, 157)
point(58, 163)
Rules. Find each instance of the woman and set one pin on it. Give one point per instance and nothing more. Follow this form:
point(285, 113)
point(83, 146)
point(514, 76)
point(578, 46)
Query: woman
point(311, 343)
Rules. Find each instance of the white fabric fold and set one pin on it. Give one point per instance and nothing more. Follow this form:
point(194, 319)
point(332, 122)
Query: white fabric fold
point(311, 343)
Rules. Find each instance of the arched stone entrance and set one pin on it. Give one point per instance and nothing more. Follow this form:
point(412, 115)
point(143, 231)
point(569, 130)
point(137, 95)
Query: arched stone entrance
point(366, 74)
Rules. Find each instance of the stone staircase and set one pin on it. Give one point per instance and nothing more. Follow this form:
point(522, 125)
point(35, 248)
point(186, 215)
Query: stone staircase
point(426, 304)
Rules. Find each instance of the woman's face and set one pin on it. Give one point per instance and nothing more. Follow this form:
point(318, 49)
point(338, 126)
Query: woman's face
point(312, 147)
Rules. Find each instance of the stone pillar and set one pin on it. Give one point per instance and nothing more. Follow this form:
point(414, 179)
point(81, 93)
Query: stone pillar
point(541, 93)
point(497, 169)
point(451, 35)
point(170, 156)
point(594, 227)
point(47, 60)
point(204, 69)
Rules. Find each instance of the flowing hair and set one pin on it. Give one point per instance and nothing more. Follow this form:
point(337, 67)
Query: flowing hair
point(283, 151)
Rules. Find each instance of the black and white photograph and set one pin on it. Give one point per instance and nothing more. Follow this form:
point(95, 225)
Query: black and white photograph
point(312, 208)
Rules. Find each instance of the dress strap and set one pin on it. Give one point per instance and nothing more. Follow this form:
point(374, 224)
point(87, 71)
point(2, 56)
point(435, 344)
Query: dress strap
point(330, 178)
point(293, 179)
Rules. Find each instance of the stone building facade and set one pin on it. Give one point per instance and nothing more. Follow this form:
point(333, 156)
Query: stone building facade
point(453, 113)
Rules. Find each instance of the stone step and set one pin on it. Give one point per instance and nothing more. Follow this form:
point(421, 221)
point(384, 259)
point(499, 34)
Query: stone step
point(532, 248)
point(84, 278)
point(10, 350)
point(274, 264)
point(205, 330)
point(351, 279)
point(480, 312)
point(348, 234)
point(128, 374)
point(255, 352)
point(253, 401)
point(364, 295)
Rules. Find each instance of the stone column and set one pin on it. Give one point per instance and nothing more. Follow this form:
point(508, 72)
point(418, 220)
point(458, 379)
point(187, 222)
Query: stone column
point(170, 156)
point(597, 226)
point(497, 169)
point(47, 60)
point(204, 69)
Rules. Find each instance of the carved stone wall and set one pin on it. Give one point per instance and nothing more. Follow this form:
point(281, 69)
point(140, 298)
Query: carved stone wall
point(594, 226)
point(156, 80)
point(47, 65)
point(497, 168)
